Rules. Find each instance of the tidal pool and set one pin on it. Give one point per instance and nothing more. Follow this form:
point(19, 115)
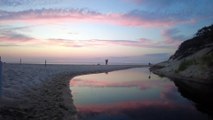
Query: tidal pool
point(134, 94)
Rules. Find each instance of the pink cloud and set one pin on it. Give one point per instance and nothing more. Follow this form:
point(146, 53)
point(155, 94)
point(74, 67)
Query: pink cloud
point(172, 37)
point(62, 42)
point(136, 43)
point(8, 39)
point(133, 18)
point(24, 40)
point(13, 37)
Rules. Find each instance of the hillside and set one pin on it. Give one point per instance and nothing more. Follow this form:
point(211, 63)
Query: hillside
point(192, 61)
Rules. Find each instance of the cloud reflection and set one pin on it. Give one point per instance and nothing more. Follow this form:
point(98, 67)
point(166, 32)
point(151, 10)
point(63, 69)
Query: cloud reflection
point(137, 110)
point(141, 84)
point(134, 97)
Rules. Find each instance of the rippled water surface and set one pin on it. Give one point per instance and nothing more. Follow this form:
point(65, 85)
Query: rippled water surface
point(133, 94)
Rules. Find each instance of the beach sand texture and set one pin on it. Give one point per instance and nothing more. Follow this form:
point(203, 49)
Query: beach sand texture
point(36, 92)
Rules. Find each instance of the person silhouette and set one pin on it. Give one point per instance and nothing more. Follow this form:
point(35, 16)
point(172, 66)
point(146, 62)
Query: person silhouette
point(45, 63)
point(106, 62)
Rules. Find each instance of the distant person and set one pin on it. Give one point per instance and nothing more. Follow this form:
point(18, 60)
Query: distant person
point(106, 61)
point(45, 64)
point(20, 61)
point(150, 64)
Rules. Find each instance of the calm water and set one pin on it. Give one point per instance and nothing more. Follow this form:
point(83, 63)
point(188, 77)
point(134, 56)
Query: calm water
point(135, 94)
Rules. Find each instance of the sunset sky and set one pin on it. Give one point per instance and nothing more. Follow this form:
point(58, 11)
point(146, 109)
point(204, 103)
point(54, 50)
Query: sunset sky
point(80, 31)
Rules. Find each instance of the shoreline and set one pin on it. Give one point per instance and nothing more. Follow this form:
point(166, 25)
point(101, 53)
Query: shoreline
point(46, 93)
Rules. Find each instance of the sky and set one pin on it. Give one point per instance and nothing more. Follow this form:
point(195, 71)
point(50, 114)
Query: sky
point(90, 31)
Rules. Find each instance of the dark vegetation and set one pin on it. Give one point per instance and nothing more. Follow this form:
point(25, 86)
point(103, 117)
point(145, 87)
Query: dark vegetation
point(207, 60)
point(202, 39)
point(185, 64)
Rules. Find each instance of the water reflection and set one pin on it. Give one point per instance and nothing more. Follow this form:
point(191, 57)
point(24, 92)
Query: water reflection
point(150, 74)
point(131, 94)
point(200, 94)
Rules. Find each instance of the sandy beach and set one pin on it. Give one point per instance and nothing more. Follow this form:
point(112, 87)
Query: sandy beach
point(32, 92)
